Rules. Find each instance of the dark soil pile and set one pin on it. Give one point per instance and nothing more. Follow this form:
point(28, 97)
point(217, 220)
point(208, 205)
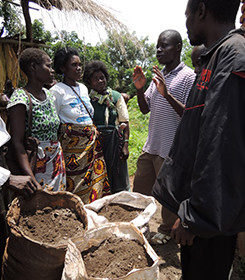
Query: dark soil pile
point(115, 257)
point(52, 226)
point(119, 212)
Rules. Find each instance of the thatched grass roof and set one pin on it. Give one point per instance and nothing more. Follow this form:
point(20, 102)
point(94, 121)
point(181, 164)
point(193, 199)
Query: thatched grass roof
point(90, 10)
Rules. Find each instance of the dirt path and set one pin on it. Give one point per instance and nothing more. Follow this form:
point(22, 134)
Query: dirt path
point(169, 254)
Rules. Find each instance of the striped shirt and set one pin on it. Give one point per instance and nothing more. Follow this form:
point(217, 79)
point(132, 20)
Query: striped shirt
point(164, 120)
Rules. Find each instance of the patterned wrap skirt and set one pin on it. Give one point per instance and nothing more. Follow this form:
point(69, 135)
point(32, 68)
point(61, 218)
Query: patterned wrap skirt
point(86, 174)
point(50, 167)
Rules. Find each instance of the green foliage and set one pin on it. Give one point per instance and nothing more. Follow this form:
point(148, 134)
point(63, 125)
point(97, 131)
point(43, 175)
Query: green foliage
point(186, 53)
point(134, 52)
point(138, 133)
point(68, 40)
point(120, 56)
point(119, 60)
point(39, 32)
point(10, 19)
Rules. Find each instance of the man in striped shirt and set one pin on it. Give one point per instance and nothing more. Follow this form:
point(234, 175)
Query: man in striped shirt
point(165, 113)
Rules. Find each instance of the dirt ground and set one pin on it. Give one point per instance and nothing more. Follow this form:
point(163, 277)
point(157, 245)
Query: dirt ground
point(169, 253)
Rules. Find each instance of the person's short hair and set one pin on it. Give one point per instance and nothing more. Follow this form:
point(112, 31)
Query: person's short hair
point(196, 53)
point(91, 68)
point(174, 34)
point(62, 56)
point(222, 10)
point(29, 56)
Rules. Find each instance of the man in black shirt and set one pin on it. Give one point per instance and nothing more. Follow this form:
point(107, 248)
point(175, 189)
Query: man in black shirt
point(202, 180)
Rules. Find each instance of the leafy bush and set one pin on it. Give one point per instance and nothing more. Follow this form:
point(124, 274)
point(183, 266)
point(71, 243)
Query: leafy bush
point(138, 133)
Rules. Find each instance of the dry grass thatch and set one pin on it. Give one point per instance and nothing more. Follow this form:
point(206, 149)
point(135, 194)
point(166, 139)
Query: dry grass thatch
point(90, 11)
point(89, 8)
point(94, 11)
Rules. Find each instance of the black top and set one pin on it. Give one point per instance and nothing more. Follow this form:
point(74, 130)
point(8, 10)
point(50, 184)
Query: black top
point(203, 179)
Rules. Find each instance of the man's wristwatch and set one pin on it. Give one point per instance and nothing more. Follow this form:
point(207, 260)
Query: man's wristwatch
point(184, 225)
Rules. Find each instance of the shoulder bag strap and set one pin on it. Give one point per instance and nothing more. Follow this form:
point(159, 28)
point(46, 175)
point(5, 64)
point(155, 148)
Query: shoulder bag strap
point(81, 101)
point(29, 113)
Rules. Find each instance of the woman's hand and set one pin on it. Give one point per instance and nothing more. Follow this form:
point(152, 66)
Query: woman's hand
point(98, 135)
point(23, 185)
point(125, 151)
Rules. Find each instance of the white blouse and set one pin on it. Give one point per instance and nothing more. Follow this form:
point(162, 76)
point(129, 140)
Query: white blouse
point(69, 106)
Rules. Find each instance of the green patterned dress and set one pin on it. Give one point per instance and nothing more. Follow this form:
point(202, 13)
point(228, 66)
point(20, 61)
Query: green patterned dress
point(50, 169)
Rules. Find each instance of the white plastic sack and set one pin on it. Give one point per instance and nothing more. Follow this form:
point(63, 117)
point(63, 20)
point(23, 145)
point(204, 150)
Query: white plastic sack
point(74, 268)
point(133, 199)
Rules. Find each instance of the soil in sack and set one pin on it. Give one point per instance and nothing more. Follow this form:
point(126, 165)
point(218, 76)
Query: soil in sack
point(51, 226)
point(30, 252)
point(115, 257)
point(119, 212)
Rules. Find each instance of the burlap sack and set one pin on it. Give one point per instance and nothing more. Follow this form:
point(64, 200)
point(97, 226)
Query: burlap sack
point(27, 259)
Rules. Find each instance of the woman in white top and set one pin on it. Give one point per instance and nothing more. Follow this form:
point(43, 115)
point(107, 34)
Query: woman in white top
point(85, 165)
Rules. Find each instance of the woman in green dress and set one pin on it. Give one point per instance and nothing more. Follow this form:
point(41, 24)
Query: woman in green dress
point(34, 98)
point(111, 119)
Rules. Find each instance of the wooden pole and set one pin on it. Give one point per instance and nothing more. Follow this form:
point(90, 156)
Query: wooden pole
point(242, 18)
point(24, 43)
point(18, 5)
point(25, 8)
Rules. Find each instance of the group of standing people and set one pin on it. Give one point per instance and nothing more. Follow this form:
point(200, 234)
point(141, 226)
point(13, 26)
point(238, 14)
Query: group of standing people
point(76, 131)
point(82, 145)
point(194, 156)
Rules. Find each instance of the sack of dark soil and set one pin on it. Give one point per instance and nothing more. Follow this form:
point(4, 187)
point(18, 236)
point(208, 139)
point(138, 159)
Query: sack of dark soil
point(39, 231)
point(122, 207)
point(113, 251)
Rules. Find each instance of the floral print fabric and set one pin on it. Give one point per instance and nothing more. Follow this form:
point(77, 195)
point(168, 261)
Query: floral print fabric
point(45, 121)
point(86, 172)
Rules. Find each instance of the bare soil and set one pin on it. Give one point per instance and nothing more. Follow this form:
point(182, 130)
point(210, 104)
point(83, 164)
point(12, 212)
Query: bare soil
point(169, 253)
point(51, 226)
point(115, 257)
point(119, 212)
